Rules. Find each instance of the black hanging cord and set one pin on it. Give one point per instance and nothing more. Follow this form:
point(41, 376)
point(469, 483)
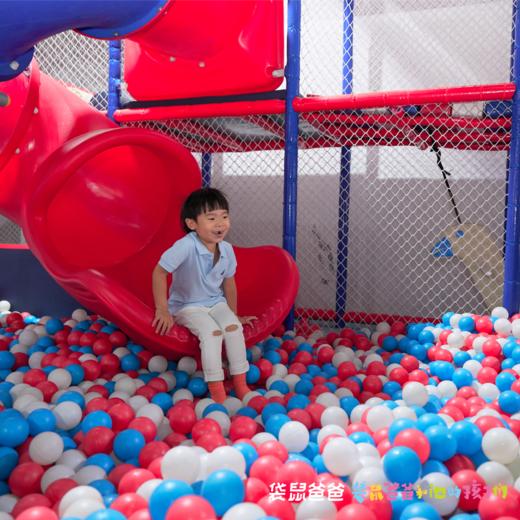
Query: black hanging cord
point(446, 174)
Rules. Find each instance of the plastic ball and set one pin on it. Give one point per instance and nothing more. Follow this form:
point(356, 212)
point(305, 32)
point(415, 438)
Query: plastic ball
point(340, 456)
point(500, 445)
point(402, 465)
point(37, 513)
point(226, 457)
point(25, 479)
point(166, 493)
point(294, 436)
point(212, 490)
point(79, 494)
point(416, 441)
point(191, 507)
point(128, 444)
point(181, 463)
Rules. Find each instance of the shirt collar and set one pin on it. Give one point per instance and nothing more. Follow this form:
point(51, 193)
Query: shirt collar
point(202, 249)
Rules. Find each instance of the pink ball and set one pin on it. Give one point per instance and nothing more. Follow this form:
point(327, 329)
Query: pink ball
point(129, 503)
point(415, 440)
point(38, 513)
point(355, 512)
point(191, 507)
point(274, 448)
point(25, 479)
point(131, 481)
point(152, 451)
point(255, 490)
point(494, 505)
point(242, 427)
point(142, 514)
point(295, 471)
point(30, 501)
point(182, 419)
point(281, 509)
point(265, 469)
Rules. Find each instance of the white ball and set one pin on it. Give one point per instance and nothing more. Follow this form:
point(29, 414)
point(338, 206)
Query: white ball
point(182, 394)
point(447, 389)
point(262, 437)
point(379, 417)
point(500, 312)
point(294, 436)
point(500, 445)
point(29, 338)
point(73, 459)
point(83, 508)
point(7, 503)
point(232, 405)
point(181, 463)
point(515, 328)
point(5, 306)
point(280, 370)
point(415, 393)
point(489, 391)
point(77, 494)
point(341, 457)
point(313, 508)
point(170, 379)
point(455, 339)
point(334, 415)
point(403, 412)
point(46, 448)
point(330, 429)
point(495, 473)
point(383, 327)
point(448, 504)
point(158, 364)
point(357, 413)
point(152, 411)
point(201, 406)
point(147, 488)
point(473, 366)
point(126, 385)
point(55, 473)
point(137, 402)
point(88, 474)
point(369, 475)
point(187, 364)
point(226, 457)
point(503, 326)
point(245, 510)
point(327, 399)
point(223, 420)
point(68, 415)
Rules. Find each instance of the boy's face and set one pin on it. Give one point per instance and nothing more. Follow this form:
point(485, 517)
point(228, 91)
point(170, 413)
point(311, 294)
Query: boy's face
point(211, 226)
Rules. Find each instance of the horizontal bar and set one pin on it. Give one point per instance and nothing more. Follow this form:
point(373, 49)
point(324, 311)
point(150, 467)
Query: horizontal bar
point(238, 108)
point(496, 92)
point(361, 317)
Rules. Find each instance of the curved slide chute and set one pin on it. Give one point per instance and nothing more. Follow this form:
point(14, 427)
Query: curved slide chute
point(98, 205)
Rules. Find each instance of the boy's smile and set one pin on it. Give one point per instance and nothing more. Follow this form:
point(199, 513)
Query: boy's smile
point(211, 227)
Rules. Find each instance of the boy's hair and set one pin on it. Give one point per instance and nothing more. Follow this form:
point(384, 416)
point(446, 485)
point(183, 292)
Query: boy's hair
point(202, 201)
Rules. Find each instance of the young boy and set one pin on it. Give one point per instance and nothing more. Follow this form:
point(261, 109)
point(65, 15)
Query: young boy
point(203, 294)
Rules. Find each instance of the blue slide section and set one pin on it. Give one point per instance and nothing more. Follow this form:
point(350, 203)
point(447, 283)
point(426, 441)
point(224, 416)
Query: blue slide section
point(23, 23)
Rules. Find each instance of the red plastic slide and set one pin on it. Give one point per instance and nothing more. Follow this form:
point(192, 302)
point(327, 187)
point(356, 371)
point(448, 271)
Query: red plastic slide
point(98, 205)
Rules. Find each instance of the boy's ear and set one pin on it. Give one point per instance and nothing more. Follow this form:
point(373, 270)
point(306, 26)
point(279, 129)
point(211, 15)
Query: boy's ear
point(192, 224)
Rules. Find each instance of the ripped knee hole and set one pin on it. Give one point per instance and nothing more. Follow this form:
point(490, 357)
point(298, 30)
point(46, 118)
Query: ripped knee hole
point(231, 328)
point(217, 333)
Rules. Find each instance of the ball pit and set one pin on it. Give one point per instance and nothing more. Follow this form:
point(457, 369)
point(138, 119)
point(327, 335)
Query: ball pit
point(396, 421)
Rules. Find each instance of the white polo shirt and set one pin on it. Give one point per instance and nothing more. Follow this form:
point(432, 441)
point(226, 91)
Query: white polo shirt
point(196, 281)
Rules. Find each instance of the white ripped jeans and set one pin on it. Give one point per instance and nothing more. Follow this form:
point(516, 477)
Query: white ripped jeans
point(212, 325)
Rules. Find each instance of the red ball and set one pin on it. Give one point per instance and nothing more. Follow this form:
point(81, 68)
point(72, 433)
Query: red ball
point(118, 472)
point(346, 369)
point(122, 414)
point(459, 463)
point(242, 427)
point(131, 480)
point(182, 418)
point(102, 346)
point(381, 507)
point(468, 481)
point(255, 489)
point(191, 507)
point(34, 376)
point(38, 513)
point(28, 501)
point(315, 410)
point(152, 451)
point(325, 354)
point(496, 505)
point(25, 479)
point(355, 512)
point(174, 439)
point(58, 488)
point(416, 441)
point(398, 375)
point(484, 325)
point(486, 422)
point(257, 403)
point(211, 441)
point(409, 363)
point(110, 365)
point(144, 425)
point(48, 389)
point(204, 427)
point(342, 494)
point(92, 369)
point(372, 384)
point(265, 468)
point(99, 439)
point(129, 503)
point(301, 416)
point(118, 339)
point(266, 369)
point(274, 448)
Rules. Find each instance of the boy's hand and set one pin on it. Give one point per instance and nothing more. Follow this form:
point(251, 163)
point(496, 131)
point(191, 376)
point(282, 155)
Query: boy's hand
point(246, 320)
point(163, 321)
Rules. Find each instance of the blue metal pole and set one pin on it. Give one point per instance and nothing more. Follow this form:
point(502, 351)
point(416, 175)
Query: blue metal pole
point(205, 166)
point(114, 77)
point(290, 188)
point(511, 299)
point(344, 172)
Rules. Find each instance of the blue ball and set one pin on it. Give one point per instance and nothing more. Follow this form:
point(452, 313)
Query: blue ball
point(434, 466)
point(467, 323)
point(460, 358)
point(248, 452)
point(164, 495)
point(130, 362)
point(7, 360)
point(197, 386)
point(399, 425)
point(97, 418)
point(41, 420)
point(106, 514)
point(221, 480)
point(182, 379)
point(298, 402)
point(462, 377)
point(104, 486)
point(275, 422)
point(214, 407)
point(280, 386)
point(509, 401)
point(163, 400)
point(253, 375)
point(401, 465)
point(420, 510)
point(9, 458)
point(14, 429)
point(303, 387)
point(389, 343)
point(272, 409)
point(443, 444)
point(247, 411)
point(468, 437)
point(429, 419)
point(102, 460)
point(77, 373)
point(359, 437)
point(53, 325)
point(504, 380)
point(426, 336)
point(128, 444)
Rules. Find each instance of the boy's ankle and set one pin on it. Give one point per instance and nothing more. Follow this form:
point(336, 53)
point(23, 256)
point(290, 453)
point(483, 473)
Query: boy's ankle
point(240, 384)
point(217, 391)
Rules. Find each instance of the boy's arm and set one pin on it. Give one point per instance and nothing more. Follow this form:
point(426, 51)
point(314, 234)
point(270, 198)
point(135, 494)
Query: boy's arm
point(163, 320)
point(230, 293)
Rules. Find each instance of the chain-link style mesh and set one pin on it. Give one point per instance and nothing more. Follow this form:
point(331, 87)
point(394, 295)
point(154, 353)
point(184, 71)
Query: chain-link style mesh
point(409, 245)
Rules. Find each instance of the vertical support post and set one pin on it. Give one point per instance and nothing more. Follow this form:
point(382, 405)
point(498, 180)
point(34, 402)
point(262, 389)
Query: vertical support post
point(114, 77)
point(511, 299)
point(205, 166)
point(344, 172)
point(290, 188)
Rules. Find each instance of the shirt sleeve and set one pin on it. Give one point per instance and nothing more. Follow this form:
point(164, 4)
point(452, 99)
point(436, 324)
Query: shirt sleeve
point(172, 258)
point(232, 263)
